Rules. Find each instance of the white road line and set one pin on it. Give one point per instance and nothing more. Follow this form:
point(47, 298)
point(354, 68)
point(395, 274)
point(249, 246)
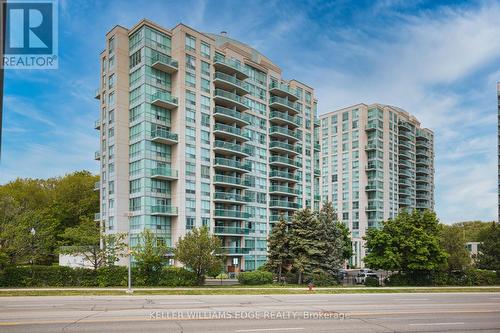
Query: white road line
point(412, 299)
point(436, 324)
point(495, 298)
point(272, 329)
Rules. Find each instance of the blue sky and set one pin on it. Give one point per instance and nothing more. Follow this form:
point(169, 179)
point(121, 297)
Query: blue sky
point(438, 60)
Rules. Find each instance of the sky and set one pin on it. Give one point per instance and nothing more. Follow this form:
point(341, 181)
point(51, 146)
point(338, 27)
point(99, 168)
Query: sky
point(439, 60)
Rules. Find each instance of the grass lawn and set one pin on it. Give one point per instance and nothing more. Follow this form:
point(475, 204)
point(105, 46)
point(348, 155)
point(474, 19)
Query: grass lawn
point(231, 290)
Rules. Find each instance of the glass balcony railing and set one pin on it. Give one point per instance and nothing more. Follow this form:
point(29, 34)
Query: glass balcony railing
point(164, 100)
point(284, 175)
point(284, 204)
point(374, 186)
point(228, 196)
point(296, 134)
point(236, 250)
point(405, 181)
point(423, 144)
point(240, 181)
point(231, 230)
point(405, 202)
point(284, 88)
point(229, 213)
point(240, 85)
point(232, 98)
point(276, 218)
point(231, 65)
point(97, 155)
point(97, 216)
point(220, 111)
point(164, 63)
point(164, 136)
point(286, 146)
point(284, 160)
point(164, 172)
point(232, 130)
point(405, 191)
point(164, 210)
point(97, 186)
point(285, 117)
point(423, 170)
point(317, 147)
point(238, 148)
point(423, 179)
point(283, 103)
point(283, 189)
point(227, 162)
point(97, 124)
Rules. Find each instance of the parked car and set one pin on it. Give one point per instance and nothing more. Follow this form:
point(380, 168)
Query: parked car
point(342, 274)
point(361, 277)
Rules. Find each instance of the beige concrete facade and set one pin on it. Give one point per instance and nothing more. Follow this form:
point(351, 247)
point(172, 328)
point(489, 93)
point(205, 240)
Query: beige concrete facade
point(375, 160)
point(200, 129)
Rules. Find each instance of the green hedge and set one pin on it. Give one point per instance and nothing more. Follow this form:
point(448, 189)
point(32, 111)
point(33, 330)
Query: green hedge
point(255, 277)
point(371, 281)
point(114, 276)
point(470, 277)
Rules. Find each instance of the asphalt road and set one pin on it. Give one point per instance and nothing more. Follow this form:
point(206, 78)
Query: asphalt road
point(398, 312)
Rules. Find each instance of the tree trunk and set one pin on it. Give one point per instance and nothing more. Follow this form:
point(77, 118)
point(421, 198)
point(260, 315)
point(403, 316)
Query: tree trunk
point(300, 277)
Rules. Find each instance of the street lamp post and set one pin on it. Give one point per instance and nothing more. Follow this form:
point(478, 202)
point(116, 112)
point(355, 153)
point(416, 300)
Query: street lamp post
point(129, 289)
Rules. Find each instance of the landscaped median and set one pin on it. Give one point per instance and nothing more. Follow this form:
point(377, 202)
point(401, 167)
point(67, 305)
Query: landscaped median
point(236, 290)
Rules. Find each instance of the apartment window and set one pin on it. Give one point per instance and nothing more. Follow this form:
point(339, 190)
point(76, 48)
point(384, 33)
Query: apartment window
point(111, 81)
point(190, 187)
point(205, 50)
point(135, 59)
point(111, 99)
point(205, 68)
point(111, 186)
point(190, 62)
point(205, 120)
point(205, 137)
point(205, 85)
point(190, 98)
point(205, 172)
point(205, 221)
point(190, 169)
point(111, 45)
point(190, 80)
point(111, 62)
point(189, 223)
point(190, 43)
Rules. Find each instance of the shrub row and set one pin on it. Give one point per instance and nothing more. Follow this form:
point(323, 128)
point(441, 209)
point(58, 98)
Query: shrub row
point(470, 277)
point(114, 276)
point(255, 277)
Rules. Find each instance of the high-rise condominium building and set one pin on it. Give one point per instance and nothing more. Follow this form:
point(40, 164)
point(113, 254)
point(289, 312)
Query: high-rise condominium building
point(375, 161)
point(198, 129)
point(498, 143)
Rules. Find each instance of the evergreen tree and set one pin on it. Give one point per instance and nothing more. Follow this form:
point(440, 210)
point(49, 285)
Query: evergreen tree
point(332, 240)
point(279, 248)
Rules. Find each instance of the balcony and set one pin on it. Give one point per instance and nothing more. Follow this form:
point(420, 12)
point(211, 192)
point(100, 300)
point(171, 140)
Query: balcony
point(232, 181)
point(283, 90)
point(424, 144)
point(231, 115)
point(317, 197)
point(374, 206)
point(97, 124)
point(164, 136)
point(405, 182)
point(276, 218)
point(164, 210)
point(231, 83)
point(97, 155)
point(230, 66)
point(230, 164)
point(406, 126)
point(285, 190)
point(405, 134)
point(422, 152)
point(230, 197)
point(405, 202)
point(225, 147)
point(282, 118)
point(423, 187)
point(405, 163)
point(283, 204)
point(231, 132)
point(423, 170)
point(284, 147)
point(372, 125)
point(317, 147)
point(371, 166)
point(231, 230)
point(283, 175)
point(231, 214)
point(405, 191)
point(423, 160)
point(406, 154)
point(285, 133)
point(97, 94)
point(284, 161)
point(97, 216)
point(164, 63)
point(235, 251)
point(423, 205)
point(423, 196)
point(97, 186)
point(283, 104)
point(423, 179)
point(406, 173)
point(164, 100)
point(230, 100)
point(317, 172)
point(374, 186)
point(164, 173)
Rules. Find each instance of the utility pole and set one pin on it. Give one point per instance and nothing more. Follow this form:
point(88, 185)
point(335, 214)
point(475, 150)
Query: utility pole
point(2, 47)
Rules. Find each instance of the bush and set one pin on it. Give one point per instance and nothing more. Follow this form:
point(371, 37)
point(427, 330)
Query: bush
point(47, 276)
point(479, 277)
point(177, 277)
point(255, 277)
point(371, 281)
point(322, 279)
point(112, 276)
